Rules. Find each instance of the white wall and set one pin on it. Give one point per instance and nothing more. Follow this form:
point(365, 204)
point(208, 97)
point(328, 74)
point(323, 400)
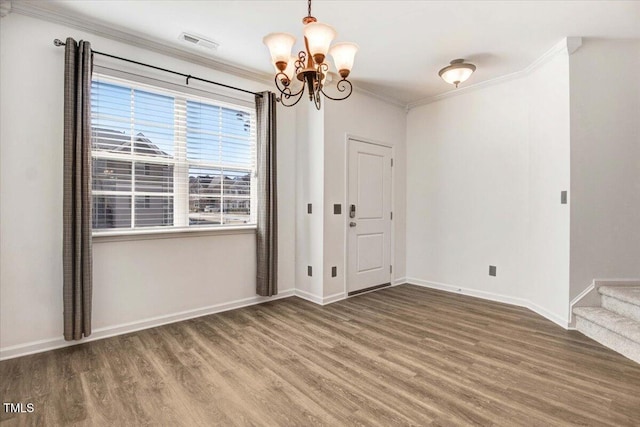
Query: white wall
point(309, 189)
point(133, 280)
point(605, 162)
point(484, 173)
point(546, 278)
point(466, 181)
point(375, 120)
point(321, 180)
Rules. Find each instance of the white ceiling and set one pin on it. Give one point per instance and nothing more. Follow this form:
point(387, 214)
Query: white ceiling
point(403, 44)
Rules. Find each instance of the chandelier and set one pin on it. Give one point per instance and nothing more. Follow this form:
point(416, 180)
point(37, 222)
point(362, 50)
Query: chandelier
point(309, 67)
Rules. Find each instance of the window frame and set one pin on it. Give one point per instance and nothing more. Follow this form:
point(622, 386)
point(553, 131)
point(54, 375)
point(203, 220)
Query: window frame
point(180, 162)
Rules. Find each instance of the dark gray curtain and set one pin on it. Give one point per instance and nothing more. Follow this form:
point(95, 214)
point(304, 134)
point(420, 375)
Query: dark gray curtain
point(77, 260)
point(267, 232)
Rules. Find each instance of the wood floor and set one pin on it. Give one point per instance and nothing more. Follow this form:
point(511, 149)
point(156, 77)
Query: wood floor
point(399, 356)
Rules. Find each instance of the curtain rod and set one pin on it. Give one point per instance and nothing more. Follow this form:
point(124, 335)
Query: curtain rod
point(58, 42)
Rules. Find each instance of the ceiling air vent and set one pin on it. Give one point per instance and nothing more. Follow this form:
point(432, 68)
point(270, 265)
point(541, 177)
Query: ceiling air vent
point(200, 41)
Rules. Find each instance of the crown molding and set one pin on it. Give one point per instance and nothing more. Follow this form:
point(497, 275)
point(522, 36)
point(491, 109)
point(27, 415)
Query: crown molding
point(39, 11)
point(573, 44)
point(567, 46)
point(371, 93)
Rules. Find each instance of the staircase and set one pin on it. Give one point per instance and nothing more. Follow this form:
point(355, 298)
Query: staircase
point(616, 323)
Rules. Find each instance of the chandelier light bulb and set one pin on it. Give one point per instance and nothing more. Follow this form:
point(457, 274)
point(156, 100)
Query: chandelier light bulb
point(319, 37)
point(343, 55)
point(280, 45)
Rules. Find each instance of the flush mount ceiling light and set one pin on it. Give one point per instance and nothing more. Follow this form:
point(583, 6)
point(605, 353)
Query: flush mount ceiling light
point(457, 72)
point(309, 67)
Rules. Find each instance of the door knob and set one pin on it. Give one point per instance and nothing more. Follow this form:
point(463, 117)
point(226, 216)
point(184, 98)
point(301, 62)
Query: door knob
point(352, 224)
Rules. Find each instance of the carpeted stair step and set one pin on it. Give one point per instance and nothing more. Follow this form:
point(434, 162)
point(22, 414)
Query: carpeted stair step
point(610, 329)
point(624, 300)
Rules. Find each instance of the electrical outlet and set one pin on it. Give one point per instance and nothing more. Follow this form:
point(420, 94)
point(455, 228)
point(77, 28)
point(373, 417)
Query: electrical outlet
point(334, 271)
point(309, 271)
point(492, 270)
point(309, 208)
point(563, 197)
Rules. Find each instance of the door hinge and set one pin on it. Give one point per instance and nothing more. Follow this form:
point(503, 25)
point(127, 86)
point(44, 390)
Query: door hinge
point(391, 269)
point(391, 216)
point(391, 162)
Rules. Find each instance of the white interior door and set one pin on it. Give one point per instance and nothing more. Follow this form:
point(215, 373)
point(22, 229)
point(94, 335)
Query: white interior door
point(368, 216)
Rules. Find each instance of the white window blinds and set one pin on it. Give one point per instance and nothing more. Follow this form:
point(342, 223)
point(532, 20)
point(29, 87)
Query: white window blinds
point(162, 158)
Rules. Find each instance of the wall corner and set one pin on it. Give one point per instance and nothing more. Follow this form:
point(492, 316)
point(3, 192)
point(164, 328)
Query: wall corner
point(573, 44)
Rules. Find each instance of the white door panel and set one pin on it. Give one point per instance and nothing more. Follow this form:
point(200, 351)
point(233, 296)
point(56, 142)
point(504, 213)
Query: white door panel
point(370, 192)
point(369, 227)
point(370, 252)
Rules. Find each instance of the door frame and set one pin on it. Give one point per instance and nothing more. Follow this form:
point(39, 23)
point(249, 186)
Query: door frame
point(345, 230)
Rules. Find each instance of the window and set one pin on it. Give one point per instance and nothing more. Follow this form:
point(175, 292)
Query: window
point(163, 158)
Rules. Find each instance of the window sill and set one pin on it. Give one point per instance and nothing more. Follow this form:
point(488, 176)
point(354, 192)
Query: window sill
point(128, 235)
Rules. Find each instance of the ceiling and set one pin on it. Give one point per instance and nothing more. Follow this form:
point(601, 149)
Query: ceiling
point(403, 44)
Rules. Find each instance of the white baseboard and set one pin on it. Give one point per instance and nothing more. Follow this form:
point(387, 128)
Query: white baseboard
point(558, 320)
point(588, 297)
point(338, 296)
point(110, 331)
point(582, 294)
point(316, 299)
point(101, 333)
point(334, 298)
point(520, 302)
point(308, 296)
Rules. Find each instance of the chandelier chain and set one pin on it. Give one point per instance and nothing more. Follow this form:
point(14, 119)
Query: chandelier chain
point(309, 8)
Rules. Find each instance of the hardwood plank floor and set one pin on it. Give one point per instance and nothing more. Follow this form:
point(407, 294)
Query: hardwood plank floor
point(399, 356)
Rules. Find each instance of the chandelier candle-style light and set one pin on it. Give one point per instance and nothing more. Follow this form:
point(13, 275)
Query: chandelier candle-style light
point(309, 67)
point(457, 72)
